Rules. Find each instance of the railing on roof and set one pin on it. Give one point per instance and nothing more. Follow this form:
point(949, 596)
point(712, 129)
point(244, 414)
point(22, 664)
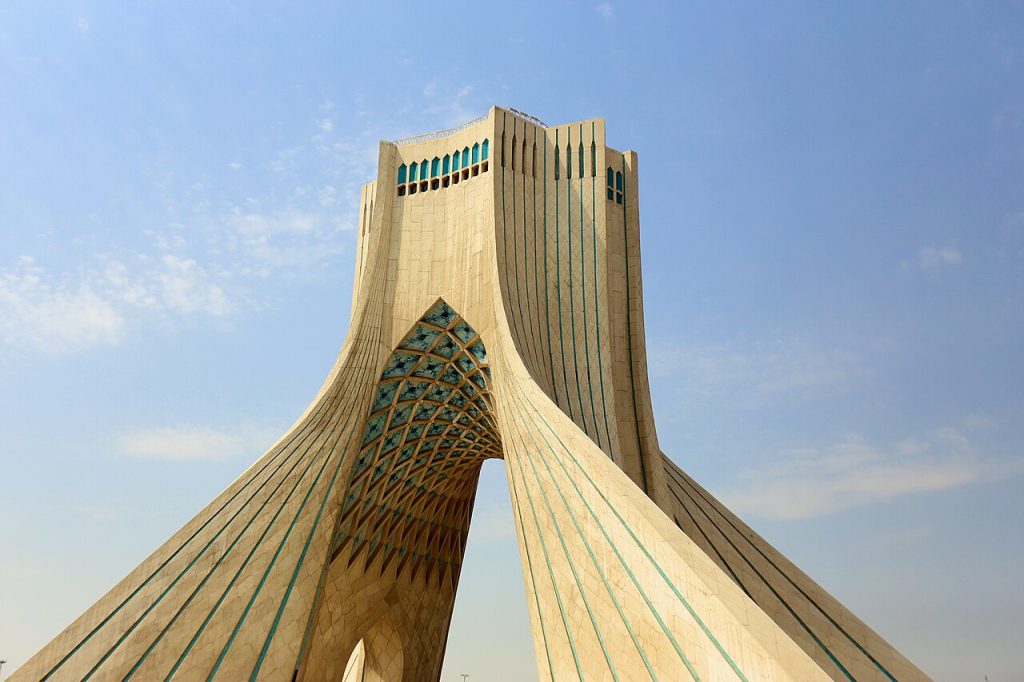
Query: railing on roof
point(528, 117)
point(439, 133)
point(451, 131)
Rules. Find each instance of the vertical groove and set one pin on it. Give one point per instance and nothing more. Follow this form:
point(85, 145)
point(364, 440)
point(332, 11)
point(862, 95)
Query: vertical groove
point(597, 296)
point(629, 335)
point(583, 293)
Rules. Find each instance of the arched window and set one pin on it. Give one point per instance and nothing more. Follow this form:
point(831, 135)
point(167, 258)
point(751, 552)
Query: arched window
point(611, 184)
point(618, 187)
point(413, 167)
point(465, 157)
point(513, 151)
point(581, 159)
point(476, 153)
point(524, 154)
point(484, 149)
point(558, 165)
point(593, 159)
point(401, 174)
point(455, 160)
point(446, 165)
point(423, 169)
point(435, 167)
point(568, 161)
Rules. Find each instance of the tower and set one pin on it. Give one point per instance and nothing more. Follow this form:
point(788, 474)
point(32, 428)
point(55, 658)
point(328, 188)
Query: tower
point(497, 313)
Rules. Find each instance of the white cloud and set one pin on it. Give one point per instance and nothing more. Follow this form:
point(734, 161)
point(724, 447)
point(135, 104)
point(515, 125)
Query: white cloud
point(752, 370)
point(55, 317)
point(190, 442)
point(186, 287)
point(93, 307)
point(606, 11)
point(933, 257)
point(853, 472)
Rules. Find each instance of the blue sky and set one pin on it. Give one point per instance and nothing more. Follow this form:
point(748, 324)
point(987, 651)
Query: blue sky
point(832, 207)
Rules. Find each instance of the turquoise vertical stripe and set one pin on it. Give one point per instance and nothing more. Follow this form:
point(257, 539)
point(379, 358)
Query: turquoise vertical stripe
point(643, 548)
point(650, 605)
point(558, 286)
point(597, 297)
point(569, 560)
point(629, 336)
point(583, 294)
point(572, 297)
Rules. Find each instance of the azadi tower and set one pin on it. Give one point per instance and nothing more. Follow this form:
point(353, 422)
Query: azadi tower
point(497, 312)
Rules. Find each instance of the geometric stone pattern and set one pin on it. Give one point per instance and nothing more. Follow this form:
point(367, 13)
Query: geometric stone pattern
point(410, 493)
point(497, 312)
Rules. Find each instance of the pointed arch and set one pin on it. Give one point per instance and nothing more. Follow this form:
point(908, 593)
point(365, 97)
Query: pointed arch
point(484, 147)
point(402, 170)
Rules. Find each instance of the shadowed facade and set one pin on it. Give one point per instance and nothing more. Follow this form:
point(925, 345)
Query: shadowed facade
point(497, 313)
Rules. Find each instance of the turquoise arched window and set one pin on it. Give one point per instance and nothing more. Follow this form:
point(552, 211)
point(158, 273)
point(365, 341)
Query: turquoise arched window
point(455, 160)
point(568, 161)
point(618, 187)
point(435, 167)
point(412, 171)
point(558, 165)
point(476, 153)
point(581, 159)
point(483, 150)
point(465, 157)
point(401, 174)
point(611, 184)
point(423, 169)
point(446, 165)
point(593, 159)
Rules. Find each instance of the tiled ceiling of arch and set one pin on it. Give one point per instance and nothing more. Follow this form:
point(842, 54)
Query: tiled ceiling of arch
point(431, 425)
